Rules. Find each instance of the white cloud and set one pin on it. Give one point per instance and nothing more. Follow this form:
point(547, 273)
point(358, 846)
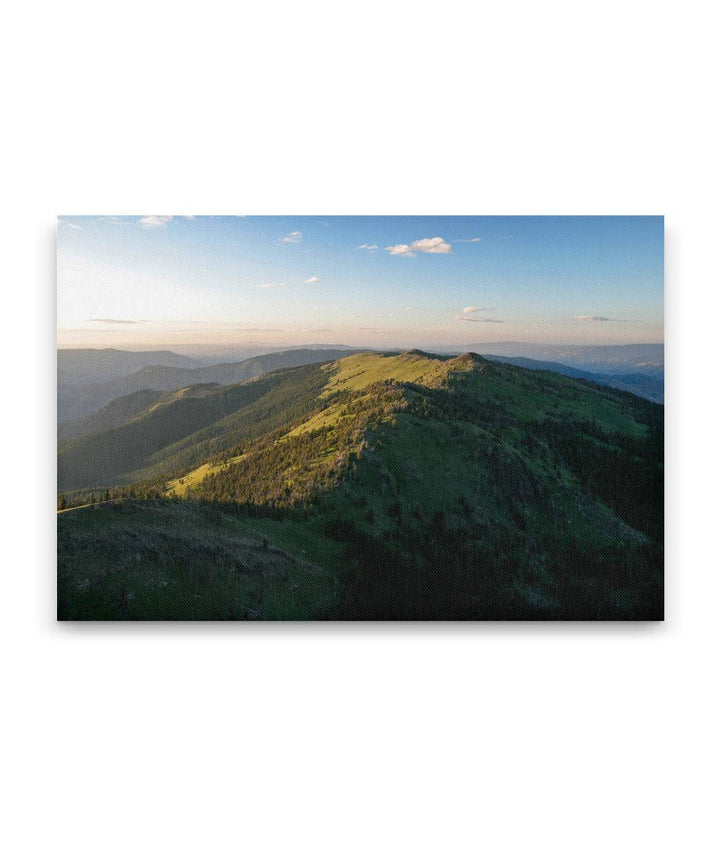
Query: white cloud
point(469, 310)
point(312, 280)
point(271, 285)
point(400, 250)
point(591, 318)
point(369, 247)
point(292, 238)
point(479, 320)
point(424, 245)
point(432, 245)
point(155, 221)
point(466, 240)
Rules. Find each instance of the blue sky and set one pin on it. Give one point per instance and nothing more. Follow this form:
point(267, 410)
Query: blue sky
point(133, 281)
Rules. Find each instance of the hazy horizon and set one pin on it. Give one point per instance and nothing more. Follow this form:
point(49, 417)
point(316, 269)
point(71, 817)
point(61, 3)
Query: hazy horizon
point(210, 349)
point(222, 283)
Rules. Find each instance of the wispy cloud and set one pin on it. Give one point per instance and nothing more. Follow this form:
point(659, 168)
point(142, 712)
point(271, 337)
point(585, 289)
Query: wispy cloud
point(424, 245)
point(155, 221)
point(469, 310)
point(371, 248)
point(466, 240)
point(112, 321)
point(594, 318)
point(311, 280)
point(271, 285)
point(292, 238)
point(69, 225)
point(479, 320)
point(115, 219)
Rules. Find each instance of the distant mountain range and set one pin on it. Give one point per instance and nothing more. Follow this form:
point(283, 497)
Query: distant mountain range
point(649, 385)
point(598, 359)
point(158, 371)
point(83, 366)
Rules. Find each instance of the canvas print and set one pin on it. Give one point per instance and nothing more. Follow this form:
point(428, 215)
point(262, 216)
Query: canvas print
point(267, 418)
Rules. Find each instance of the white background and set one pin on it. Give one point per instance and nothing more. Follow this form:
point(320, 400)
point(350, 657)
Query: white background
point(359, 739)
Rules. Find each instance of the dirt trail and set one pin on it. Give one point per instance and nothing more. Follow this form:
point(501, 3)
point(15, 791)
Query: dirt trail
point(89, 505)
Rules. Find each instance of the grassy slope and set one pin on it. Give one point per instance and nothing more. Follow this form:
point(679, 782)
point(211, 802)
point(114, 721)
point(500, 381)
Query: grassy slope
point(431, 463)
point(360, 371)
point(182, 485)
point(287, 397)
point(178, 560)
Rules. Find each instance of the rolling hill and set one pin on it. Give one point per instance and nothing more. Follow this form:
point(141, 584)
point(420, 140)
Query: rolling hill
point(83, 366)
point(76, 404)
point(416, 486)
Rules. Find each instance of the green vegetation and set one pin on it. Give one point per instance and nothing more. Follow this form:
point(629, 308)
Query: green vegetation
point(79, 397)
point(416, 486)
point(362, 370)
point(182, 485)
point(144, 560)
point(185, 428)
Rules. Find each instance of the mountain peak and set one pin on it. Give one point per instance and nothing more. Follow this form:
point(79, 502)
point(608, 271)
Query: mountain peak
point(468, 362)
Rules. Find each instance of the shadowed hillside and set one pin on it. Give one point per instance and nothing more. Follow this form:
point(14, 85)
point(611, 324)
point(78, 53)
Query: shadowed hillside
point(162, 372)
point(81, 366)
point(187, 426)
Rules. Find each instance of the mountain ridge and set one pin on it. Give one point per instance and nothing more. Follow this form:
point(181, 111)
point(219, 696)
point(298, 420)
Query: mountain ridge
point(422, 485)
point(75, 405)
